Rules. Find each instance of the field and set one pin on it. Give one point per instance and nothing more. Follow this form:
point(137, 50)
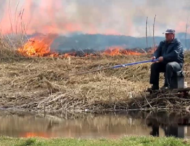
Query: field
point(54, 84)
point(141, 141)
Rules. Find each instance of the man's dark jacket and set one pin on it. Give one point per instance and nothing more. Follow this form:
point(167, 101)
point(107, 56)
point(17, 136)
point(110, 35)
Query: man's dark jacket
point(172, 51)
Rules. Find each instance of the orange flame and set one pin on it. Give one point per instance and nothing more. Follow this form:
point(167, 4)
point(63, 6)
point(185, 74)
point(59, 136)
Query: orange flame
point(69, 54)
point(38, 46)
point(31, 135)
point(114, 51)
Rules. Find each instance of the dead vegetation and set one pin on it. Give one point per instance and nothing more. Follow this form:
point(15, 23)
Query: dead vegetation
point(54, 84)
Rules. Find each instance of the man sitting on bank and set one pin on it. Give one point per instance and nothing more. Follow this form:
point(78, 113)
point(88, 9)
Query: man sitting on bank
point(170, 59)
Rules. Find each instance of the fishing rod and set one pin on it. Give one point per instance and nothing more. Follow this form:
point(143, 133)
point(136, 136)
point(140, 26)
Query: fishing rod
point(134, 63)
point(116, 66)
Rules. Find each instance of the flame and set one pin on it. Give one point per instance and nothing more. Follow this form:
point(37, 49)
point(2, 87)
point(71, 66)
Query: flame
point(69, 54)
point(117, 50)
point(31, 134)
point(38, 46)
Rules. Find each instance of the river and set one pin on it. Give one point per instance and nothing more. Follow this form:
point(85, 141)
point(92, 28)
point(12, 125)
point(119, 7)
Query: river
point(93, 126)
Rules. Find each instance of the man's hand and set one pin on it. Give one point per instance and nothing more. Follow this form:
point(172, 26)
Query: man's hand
point(153, 58)
point(160, 59)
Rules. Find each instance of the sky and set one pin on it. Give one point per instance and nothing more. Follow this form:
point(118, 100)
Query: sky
point(117, 17)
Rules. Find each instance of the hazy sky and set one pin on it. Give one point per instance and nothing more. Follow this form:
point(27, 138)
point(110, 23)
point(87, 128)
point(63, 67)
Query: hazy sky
point(125, 17)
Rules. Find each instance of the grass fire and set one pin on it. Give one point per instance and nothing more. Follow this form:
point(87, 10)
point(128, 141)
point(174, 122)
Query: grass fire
point(40, 46)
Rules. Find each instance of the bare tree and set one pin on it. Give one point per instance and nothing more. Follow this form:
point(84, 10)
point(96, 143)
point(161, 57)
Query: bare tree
point(10, 19)
point(154, 32)
point(147, 32)
point(186, 33)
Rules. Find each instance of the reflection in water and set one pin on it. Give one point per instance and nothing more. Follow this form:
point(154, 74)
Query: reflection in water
point(172, 125)
point(95, 126)
point(33, 134)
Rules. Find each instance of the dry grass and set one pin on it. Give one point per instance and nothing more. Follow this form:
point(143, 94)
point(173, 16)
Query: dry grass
point(52, 84)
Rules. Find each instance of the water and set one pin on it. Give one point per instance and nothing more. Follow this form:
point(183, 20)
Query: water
point(94, 126)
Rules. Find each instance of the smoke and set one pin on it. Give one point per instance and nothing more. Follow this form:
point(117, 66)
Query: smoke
point(118, 17)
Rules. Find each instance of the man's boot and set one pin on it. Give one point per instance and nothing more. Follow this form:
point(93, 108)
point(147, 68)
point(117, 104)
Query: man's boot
point(164, 87)
point(154, 87)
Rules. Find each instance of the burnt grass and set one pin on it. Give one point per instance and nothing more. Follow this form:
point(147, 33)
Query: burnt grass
point(56, 85)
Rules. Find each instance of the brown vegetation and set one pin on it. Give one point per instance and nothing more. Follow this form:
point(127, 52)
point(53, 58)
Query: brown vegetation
point(55, 84)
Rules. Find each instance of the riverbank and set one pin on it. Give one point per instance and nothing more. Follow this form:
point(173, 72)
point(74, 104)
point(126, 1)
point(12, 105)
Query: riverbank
point(55, 85)
point(129, 141)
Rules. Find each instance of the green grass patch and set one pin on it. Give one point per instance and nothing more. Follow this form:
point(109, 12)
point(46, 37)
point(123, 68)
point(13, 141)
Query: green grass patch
point(132, 141)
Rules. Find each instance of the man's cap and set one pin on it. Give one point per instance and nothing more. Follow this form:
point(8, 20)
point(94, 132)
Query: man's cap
point(169, 31)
